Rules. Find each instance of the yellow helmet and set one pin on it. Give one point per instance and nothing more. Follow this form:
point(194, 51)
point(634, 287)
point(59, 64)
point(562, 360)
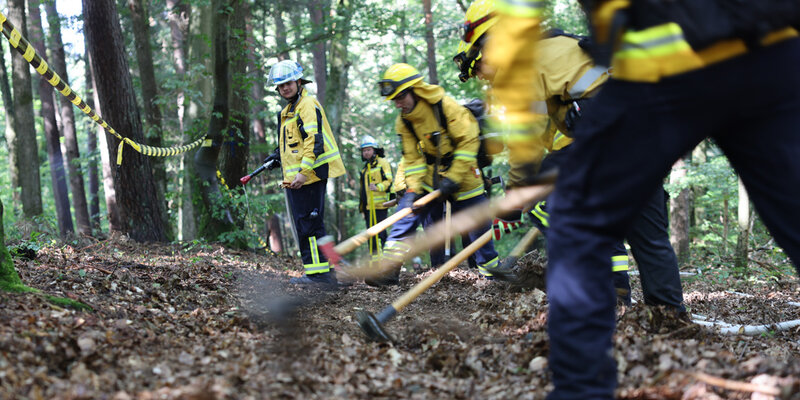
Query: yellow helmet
point(479, 18)
point(397, 78)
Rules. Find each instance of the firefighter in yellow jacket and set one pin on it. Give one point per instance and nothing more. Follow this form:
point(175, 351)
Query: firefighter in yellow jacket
point(309, 157)
point(376, 185)
point(447, 135)
point(567, 80)
point(678, 69)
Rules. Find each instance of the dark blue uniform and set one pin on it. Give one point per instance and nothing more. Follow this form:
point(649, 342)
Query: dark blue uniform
point(750, 105)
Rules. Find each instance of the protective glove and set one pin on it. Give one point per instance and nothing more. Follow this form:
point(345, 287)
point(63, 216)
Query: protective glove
point(273, 160)
point(448, 187)
point(411, 197)
point(502, 227)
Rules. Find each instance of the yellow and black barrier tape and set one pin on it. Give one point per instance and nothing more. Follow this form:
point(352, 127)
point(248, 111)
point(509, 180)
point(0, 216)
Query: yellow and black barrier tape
point(40, 65)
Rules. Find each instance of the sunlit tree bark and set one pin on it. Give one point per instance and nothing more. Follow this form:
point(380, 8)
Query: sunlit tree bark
point(139, 209)
point(52, 136)
point(24, 143)
point(66, 111)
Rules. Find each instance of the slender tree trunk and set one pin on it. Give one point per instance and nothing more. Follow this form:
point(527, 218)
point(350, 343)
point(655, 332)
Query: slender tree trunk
point(275, 234)
point(66, 111)
point(725, 222)
point(679, 213)
point(740, 259)
point(280, 30)
point(236, 149)
point(179, 13)
point(426, 10)
point(139, 208)
point(200, 54)
point(294, 17)
point(402, 35)
point(91, 151)
point(317, 10)
point(152, 113)
point(336, 101)
point(27, 150)
point(216, 218)
point(52, 136)
point(178, 24)
point(10, 134)
point(114, 220)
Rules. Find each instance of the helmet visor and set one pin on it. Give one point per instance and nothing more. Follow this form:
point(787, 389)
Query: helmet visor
point(388, 86)
point(469, 27)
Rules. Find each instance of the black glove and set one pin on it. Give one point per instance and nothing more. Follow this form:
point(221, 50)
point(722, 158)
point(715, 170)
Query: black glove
point(273, 160)
point(447, 187)
point(414, 197)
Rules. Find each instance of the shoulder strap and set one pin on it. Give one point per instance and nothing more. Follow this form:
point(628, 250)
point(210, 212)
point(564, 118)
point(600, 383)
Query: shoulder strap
point(438, 109)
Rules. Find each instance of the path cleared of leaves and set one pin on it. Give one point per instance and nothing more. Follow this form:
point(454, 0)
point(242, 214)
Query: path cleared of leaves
point(199, 322)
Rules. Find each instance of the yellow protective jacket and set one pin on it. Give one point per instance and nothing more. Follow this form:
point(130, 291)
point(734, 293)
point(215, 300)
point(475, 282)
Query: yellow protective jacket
point(566, 73)
point(377, 172)
point(304, 148)
point(399, 184)
point(657, 48)
point(458, 143)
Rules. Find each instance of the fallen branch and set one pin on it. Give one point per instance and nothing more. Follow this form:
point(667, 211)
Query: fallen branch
point(734, 385)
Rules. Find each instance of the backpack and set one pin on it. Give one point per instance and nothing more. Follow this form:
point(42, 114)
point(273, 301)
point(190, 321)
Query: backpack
point(477, 108)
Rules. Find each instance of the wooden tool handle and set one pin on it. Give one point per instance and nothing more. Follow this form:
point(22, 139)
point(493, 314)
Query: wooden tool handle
point(437, 275)
point(362, 237)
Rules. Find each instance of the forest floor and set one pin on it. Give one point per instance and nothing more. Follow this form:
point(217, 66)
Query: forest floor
point(198, 322)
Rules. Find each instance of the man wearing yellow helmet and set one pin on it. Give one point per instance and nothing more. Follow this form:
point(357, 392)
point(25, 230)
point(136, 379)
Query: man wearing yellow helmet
point(447, 134)
point(376, 184)
point(678, 69)
point(309, 156)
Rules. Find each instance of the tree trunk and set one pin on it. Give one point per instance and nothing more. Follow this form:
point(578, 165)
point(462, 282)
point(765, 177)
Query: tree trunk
point(25, 146)
point(215, 218)
point(139, 209)
point(316, 9)
point(336, 101)
point(740, 258)
point(152, 113)
point(52, 136)
point(200, 54)
point(91, 149)
point(178, 24)
point(426, 10)
point(280, 30)
point(679, 213)
point(10, 135)
point(275, 234)
point(67, 113)
point(236, 149)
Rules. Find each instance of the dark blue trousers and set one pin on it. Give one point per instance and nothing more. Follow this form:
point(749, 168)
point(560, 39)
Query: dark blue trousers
point(749, 105)
point(434, 213)
point(308, 212)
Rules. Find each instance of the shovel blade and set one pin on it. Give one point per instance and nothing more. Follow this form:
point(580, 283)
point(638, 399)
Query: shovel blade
point(372, 327)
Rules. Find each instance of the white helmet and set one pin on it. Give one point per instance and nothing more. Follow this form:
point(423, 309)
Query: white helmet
point(286, 71)
point(369, 141)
